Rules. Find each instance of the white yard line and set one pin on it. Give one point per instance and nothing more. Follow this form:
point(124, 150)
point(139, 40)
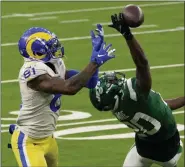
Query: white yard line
point(142, 26)
point(88, 122)
point(120, 70)
point(152, 67)
point(73, 21)
point(112, 35)
point(84, 10)
point(85, 122)
point(43, 18)
point(102, 120)
point(10, 81)
point(102, 23)
point(147, 26)
point(178, 112)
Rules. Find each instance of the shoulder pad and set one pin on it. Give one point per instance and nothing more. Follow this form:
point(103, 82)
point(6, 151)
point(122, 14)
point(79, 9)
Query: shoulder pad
point(132, 88)
point(33, 69)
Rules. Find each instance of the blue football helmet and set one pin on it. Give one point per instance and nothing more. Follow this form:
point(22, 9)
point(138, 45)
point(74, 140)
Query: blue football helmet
point(40, 44)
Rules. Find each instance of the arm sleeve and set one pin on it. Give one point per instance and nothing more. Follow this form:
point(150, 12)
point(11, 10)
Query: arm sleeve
point(92, 81)
point(133, 90)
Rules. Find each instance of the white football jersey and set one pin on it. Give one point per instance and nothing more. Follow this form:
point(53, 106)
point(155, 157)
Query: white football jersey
point(40, 111)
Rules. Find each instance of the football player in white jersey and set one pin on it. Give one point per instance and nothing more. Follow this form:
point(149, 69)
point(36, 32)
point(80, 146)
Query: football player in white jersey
point(43, 78)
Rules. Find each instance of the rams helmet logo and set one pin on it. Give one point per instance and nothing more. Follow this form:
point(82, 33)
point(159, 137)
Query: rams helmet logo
point(40, 44)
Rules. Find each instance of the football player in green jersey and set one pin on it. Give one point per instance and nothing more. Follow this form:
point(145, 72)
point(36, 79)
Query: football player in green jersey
point(134, 103)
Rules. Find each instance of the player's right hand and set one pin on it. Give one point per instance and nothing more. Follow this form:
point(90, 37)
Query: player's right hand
point(119, 24)
point(103, 55)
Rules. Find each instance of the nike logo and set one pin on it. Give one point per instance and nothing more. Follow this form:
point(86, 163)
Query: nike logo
point(101, 55)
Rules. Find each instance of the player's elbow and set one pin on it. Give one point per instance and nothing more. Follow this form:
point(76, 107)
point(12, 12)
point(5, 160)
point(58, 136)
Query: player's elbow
point(70, 90)
point(63, 89)
point(143, 64)
point(145, 61)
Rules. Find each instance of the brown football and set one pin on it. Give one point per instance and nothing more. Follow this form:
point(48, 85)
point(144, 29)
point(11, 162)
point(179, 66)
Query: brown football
point(133, 15)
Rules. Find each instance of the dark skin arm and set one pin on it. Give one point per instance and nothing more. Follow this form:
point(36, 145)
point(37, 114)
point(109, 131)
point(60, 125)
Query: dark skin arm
point(176, 103)
point(143, 76)
point(66, 76)
point(71, 86)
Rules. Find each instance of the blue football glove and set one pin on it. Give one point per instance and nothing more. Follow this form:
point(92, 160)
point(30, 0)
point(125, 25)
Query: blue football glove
point(103, 55)
point(12, 128)
point(97, 40)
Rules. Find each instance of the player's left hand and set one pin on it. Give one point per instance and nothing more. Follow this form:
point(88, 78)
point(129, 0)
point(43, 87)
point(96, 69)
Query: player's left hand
point(99, 39)
point(103, 55)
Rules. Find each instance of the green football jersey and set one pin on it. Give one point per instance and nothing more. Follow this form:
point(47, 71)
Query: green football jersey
point(149, 115)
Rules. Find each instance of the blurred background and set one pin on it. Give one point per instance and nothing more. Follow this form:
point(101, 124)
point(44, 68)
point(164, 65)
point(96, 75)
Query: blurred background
point(87, 137)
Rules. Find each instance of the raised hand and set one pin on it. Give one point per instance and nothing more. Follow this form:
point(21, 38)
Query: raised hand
point(119, 24)
point(103, 55)
point(97, 40)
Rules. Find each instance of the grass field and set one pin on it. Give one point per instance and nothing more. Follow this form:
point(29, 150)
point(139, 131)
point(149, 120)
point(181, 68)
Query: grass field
point(162, 38)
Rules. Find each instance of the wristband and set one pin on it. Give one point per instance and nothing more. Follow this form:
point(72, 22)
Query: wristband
point(128, 36)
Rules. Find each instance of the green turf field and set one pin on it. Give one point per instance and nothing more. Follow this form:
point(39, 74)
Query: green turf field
point(162, 38)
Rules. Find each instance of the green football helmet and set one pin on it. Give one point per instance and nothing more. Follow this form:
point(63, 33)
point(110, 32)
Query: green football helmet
point(103, 96)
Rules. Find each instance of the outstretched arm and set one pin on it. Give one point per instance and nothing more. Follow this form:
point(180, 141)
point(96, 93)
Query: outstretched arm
point(97, 40)
point(71, 86)
point(176, 103)
point(143, 76)
point(92, 81)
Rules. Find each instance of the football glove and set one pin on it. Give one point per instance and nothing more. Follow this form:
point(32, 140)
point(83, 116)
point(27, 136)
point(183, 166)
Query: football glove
point(119, 24)
point(103, 55)
point(97, 40)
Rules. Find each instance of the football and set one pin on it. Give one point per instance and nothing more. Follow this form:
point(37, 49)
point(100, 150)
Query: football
point(133, 15)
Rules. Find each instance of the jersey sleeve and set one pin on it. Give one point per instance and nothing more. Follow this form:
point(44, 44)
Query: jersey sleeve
point(133, 91)
point(32, 70)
